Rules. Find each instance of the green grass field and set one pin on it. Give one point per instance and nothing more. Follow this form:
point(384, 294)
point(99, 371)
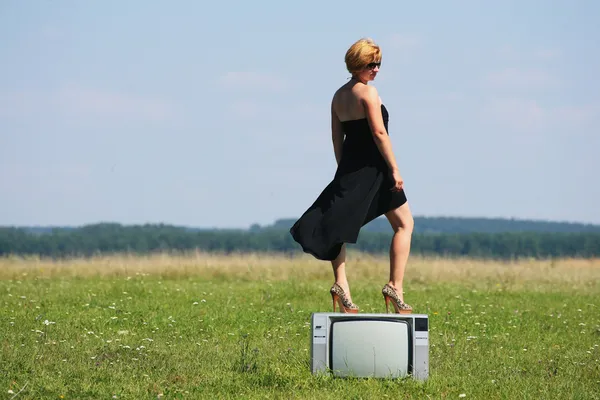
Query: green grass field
point(214, 327)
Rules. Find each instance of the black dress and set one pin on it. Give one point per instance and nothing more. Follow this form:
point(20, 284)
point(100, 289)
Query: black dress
point(358, 193)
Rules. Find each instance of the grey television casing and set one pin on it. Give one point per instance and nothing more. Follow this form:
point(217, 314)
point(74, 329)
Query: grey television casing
point(375, 335)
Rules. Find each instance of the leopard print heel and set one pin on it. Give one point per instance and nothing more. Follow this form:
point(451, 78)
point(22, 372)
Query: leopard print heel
point(339, 296)
point(389, 294)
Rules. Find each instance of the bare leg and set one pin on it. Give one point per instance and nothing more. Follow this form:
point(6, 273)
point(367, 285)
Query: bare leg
point(402, 223)
point(339, 271)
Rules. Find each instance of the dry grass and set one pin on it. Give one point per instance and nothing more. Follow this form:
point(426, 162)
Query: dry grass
point(572, 274)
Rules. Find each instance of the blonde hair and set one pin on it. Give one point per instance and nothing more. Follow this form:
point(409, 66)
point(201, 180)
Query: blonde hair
point(361, 53)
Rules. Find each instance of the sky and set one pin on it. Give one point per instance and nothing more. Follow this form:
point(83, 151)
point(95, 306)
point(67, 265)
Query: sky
point(216, 114)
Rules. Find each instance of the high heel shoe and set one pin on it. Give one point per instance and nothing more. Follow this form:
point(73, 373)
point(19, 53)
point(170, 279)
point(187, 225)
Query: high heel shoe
point(389, 294)
point(339, 296)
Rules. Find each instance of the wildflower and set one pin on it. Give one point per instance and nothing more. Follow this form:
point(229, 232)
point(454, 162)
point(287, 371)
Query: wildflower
point(462, 395)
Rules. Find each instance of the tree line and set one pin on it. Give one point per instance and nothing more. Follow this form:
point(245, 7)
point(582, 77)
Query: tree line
point(463, 225)
point(107, 238)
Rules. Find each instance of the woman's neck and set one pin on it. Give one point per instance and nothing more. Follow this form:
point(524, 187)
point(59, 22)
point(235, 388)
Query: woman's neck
point(357, 79)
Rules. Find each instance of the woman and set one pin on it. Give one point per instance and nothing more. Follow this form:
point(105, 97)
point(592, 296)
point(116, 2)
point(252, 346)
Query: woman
point(367, 183)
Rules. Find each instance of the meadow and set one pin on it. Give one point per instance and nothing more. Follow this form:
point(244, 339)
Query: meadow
point(215, 326)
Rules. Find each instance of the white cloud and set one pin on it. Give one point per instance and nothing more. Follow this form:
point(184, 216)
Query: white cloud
point(449, 97)
point(547, 54)
point(254, 80)
point(76, 100)
point(521, 114)
point(531, 116)
point(509, 53)
point(248, 108)
point(273, 111)
point(28, 172)
point(578, 115)
point(52, 33)
point(404, 42)
point(99, 102)
point(520, 78)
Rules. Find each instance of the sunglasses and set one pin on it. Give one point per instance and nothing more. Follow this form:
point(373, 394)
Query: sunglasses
point(373, 65)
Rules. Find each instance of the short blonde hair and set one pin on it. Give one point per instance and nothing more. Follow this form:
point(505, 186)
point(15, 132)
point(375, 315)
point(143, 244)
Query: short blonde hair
point(361, 53)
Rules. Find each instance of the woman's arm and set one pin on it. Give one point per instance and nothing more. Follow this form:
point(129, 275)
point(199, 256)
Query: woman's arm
point(372, 106)
point(337, 135)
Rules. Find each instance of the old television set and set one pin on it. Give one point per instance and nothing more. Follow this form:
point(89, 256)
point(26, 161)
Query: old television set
point(370, 345)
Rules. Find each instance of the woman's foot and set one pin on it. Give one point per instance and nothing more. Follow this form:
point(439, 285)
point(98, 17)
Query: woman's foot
point(396, 297)
point(342, 298)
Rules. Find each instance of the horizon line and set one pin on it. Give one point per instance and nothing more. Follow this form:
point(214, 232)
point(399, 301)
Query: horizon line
point(514, 219)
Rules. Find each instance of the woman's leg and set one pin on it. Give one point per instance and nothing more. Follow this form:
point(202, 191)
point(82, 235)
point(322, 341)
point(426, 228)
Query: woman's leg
point(339, 271)
point(402, 223)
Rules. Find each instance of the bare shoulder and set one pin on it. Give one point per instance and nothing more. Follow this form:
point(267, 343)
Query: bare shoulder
point(338, 96)
point(368, 94)
point(340, 91)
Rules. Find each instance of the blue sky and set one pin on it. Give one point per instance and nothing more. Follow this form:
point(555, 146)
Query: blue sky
point(217, 114)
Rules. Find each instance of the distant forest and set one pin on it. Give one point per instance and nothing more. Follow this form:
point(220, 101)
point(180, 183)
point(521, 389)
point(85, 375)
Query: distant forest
point(464, 225)
point(440, 236)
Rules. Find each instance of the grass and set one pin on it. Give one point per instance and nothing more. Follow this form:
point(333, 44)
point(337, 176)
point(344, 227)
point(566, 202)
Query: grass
point(216, 326)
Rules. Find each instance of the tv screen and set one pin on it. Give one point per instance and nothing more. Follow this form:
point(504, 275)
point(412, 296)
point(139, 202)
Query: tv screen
point(370, 348)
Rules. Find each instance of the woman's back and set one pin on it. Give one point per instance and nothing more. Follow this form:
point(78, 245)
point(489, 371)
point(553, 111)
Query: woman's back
point(347, 102)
